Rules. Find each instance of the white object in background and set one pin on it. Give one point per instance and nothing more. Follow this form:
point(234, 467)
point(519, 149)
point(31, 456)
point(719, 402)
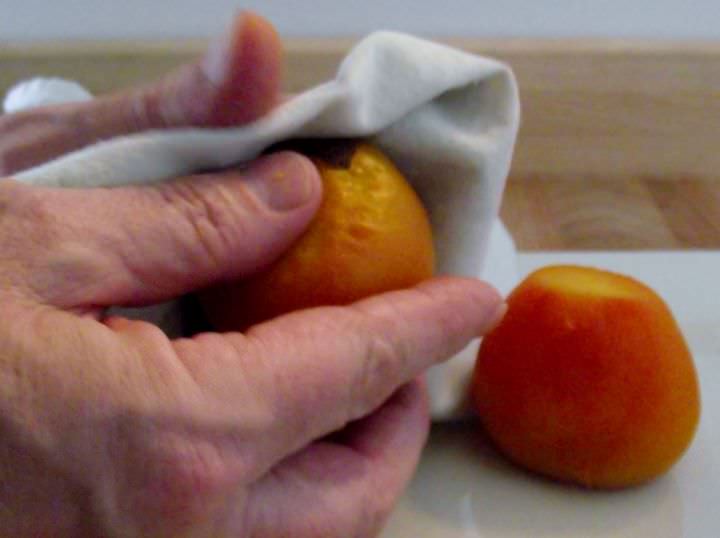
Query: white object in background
point(43, 91)
point(447, 118)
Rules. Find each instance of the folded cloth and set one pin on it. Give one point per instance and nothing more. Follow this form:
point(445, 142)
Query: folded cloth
point(447, 118)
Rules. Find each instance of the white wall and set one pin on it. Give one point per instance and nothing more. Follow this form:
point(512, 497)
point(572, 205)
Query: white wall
point(23, 20)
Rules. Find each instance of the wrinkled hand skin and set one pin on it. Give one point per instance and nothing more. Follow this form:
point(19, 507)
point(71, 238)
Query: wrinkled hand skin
point(309, 425)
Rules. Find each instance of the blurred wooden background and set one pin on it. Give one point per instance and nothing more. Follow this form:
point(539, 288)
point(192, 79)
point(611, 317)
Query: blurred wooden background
point(619, 146)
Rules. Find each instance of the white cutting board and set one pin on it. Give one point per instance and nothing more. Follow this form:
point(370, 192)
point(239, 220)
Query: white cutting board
point(463, 489)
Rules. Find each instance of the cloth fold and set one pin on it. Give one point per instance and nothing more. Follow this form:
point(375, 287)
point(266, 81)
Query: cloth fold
point(447, 118)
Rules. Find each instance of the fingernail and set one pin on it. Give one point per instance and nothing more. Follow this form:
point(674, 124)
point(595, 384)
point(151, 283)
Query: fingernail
point(217, 58)
point(283, 181)
point(496, 318)
point(216, 62)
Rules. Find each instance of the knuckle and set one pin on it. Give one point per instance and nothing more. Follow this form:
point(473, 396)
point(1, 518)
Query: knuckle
point(6, 162)
point(210, 214)
point(382, 371)
point(27, 212)
point(32, 137)
point(372, 510)
point(18, 138)
point(173, 474)
point(17, 120)
point(378, 505)
point(13, 158)
point(40, 251)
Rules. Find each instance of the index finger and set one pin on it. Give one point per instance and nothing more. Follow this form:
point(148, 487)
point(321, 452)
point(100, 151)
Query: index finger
point(236, 82)
point(310, 373)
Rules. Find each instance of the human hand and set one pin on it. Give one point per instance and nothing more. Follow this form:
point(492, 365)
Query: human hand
point(308, 425)
point(236, 82)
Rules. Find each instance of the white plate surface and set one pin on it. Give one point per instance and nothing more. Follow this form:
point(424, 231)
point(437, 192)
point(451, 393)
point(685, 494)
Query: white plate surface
point(463, 489)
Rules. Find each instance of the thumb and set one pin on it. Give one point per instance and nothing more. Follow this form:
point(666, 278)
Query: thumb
point(141, 245)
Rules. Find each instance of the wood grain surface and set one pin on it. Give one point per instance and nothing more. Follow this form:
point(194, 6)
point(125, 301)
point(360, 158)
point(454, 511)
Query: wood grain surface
point(597, 214)
point(618, 147)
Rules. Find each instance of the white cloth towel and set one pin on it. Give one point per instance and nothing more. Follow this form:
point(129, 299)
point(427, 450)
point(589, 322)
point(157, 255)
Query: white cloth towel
point(447, 118)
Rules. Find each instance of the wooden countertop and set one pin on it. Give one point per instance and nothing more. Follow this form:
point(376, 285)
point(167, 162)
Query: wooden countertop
point(619, 146)
point(633, 214)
